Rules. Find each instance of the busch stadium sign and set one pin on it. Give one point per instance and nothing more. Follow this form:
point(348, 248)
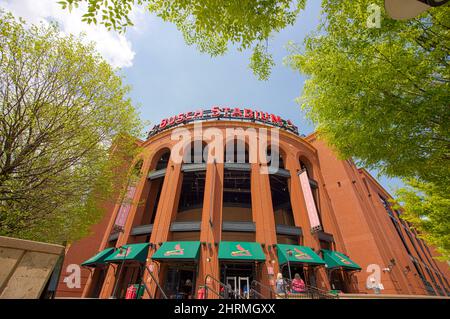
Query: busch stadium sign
point(227, 113)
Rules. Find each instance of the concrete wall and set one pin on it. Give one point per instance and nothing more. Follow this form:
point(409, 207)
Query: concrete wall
point(25, 267)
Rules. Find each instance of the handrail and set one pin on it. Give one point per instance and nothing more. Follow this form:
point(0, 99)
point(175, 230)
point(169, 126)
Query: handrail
point(156, 281)
point(313, 292)
point(226, 289)
point(213, 291)
point(254, 291)
point(321, 293)
point(267, 288)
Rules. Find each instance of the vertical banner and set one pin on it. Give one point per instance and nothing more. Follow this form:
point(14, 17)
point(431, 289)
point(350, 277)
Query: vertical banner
point(124, 209)
point(309, 200)
point(212, 194)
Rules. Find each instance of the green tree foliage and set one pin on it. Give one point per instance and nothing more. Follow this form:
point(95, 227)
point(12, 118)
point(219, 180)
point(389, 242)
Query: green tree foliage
point(426, 206)
point(381, 95)
point(211, 25)
point(65, 122)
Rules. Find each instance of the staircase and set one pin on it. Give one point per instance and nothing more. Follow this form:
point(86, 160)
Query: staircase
point(150, 272)
point(225, 292)
point(310, 292)
point(261, 291)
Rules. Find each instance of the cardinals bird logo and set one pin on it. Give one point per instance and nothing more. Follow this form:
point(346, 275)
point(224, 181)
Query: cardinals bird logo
point(301, 255)
point(241, 251)
point(123, 252)
point(176, 252)
point(344, 261)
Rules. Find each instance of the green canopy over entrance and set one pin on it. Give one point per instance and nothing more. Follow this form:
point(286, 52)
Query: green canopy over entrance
point(241, 250)
point(131, 252)
point(297, 254)
point(178, 250)
point(335, 259)
point(98, 259)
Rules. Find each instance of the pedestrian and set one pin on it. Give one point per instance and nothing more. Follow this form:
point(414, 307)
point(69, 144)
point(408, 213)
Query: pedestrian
point(298, 285)
point(280, 284)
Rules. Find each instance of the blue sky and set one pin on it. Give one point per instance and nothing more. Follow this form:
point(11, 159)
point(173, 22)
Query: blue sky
point(168, 77)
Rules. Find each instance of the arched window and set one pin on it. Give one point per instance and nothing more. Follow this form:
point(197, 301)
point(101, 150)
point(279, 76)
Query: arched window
point(152, 190)
point(237, 197)
point(163, 159)
point(236, 151)
point(275, 157)
point(280, 192)
point(305, 165)
point(192, 192)
point(196, 153)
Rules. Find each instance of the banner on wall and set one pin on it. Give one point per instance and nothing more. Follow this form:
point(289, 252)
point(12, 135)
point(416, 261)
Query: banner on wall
point(311, 208)
point(124, 209)
point(212, 194)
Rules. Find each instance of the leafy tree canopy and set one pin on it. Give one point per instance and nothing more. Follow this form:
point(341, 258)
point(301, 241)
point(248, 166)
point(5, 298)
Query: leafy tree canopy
point(211, 25)
point(65, 127)
point(427, 208)
point(381, 95)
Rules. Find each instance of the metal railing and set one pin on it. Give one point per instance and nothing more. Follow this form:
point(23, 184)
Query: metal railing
point(225, 294)
point(254, 288)
point(310, 292)
point(156, 282)
point(257, 288)
point(317, 293)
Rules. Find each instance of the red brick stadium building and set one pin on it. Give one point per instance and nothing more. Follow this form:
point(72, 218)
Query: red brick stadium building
point(219, 218)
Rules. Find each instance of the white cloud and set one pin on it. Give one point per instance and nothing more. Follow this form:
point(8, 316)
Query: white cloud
point(114, 47)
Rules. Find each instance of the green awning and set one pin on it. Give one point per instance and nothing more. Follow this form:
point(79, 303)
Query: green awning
point(241, 250)
point(98, 259)
point(297, 254)
point(178, 250)
point(334, 259)
point(131, 252)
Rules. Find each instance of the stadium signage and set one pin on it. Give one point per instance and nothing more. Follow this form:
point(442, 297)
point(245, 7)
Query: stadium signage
point(217, 112)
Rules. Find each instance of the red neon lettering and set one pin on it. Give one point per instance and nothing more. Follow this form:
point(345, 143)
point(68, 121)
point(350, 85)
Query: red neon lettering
point(276, 119)
point(215, 111)
point(236, 112)
point(198, 113)
point(171, 120)
point(225, 111)
point(263, 116)
point(188, 115)
point(180, 118)
point(163, 123)
point(248, 113)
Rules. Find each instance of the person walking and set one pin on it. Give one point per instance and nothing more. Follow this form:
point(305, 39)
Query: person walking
point(280, 285)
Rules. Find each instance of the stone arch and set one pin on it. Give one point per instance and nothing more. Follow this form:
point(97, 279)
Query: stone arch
point(306, 164)
point(281, 153)
point(161, 158)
